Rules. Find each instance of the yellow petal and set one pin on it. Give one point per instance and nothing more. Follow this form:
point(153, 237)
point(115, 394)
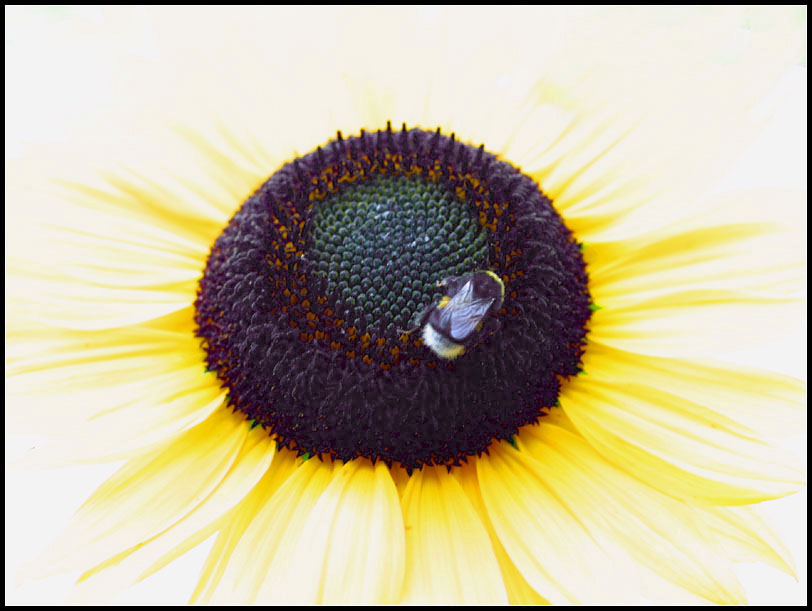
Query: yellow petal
point(147, 495)
point(743, 256)
point(747, 537)
point(677, 446)
point(449, 558)
point(273, 534)
point(237, 166)
point(768, 404)
point(144, 203)
point(233, 525)
point(518, 590)
point(554, 552)
point(713, 113)
point(128, 430)
point(56, 302)
point(694, 322)
point(107, 259)
point(351, 550)
point(106, 580)
point(129, 389)
point(656, 530)
point(139, 220)
point(39, 346)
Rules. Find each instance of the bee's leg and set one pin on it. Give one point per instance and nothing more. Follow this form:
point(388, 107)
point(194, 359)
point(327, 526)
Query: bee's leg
point(418, 322)
point(489, 326)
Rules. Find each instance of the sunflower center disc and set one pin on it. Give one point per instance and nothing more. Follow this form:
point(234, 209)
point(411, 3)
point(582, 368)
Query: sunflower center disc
point(312, 296)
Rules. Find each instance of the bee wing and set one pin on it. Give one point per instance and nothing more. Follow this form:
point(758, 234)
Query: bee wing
point(463, 317)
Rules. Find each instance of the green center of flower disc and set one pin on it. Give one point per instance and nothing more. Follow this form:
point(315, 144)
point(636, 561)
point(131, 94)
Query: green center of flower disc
point(398, 296)
point(384, 243)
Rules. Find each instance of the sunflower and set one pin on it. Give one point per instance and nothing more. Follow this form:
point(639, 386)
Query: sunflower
point(389, 364)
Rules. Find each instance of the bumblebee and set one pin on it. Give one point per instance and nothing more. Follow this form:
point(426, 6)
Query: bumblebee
point(459, 321)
